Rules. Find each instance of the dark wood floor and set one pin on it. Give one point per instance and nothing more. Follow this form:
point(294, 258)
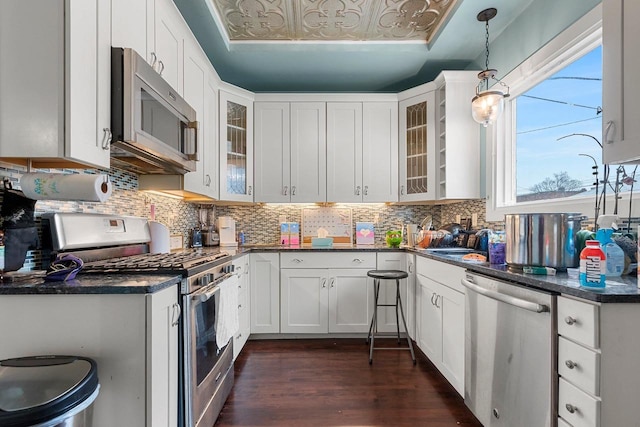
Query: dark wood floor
point(329, 382)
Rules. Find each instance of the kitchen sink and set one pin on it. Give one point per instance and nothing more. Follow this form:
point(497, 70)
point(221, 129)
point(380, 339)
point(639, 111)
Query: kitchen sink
point(455, 254)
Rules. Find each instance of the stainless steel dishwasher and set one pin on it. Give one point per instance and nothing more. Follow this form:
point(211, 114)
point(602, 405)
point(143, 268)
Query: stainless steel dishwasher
point(510, 353)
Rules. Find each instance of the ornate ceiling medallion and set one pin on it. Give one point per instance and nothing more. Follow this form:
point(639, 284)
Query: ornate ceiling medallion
point(332, 20)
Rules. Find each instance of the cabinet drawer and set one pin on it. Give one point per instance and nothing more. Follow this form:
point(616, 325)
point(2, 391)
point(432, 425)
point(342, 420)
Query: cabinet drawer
point(328, 260)
point(579, 365)
point(577, 407)
point(563, 423)
point(441, 272)
point(579, 321)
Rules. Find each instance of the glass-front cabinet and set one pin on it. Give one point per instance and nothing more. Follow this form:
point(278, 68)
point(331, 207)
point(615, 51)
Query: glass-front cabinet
point(417, 148)
point(236, 148)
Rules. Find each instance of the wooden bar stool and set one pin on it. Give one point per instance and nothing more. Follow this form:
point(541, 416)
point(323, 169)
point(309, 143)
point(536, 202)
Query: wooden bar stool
point(396, 275)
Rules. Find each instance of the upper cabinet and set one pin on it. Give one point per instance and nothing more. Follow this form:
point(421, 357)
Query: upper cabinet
point(290, 152)
point(457, 144)
point(236, 147)
point(362, 147)
point(156, 30)
point(55, 83)
point(439, 140)
point(417, 148)
point(621, 66)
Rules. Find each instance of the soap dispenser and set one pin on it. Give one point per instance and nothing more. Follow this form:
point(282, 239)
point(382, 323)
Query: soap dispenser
point(615, 255)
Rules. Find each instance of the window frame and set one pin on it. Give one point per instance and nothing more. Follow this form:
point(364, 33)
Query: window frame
point(574, 42)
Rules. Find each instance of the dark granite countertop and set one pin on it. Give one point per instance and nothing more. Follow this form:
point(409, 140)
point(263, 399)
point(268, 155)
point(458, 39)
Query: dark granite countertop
point(93, 284)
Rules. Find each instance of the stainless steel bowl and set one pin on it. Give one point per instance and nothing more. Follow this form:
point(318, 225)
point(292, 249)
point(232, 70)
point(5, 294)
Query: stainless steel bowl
point(543, 239)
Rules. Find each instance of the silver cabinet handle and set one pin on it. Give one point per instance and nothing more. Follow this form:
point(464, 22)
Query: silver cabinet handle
point(358, 190)
point(610, 125)
point(106, 138)
point(207, 180)
point(508, 299)
point(570, 320)
point(571, 408)
point(175, 314)
point(296, 260)
point(410, 267)
point(293, 190)
point(193, 126)
point(286, 190)
point(570, 364)
point(366, 190)
point(402, 190)
point(438, 298)
point(358, 260)
point(161, 66)
point(433, 295)
point(324, 283)
point(154, 59)
point(332, 282)
point(239, 306)
point(250, 189)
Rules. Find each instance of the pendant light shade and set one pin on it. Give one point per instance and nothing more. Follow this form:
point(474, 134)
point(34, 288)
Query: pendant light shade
point(488, 104)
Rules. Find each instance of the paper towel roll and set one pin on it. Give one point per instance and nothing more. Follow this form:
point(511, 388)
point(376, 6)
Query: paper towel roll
point(51, 186)
point(160, 238)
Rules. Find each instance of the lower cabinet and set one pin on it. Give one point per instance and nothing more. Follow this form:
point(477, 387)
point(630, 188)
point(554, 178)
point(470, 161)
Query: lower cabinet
point(598, 382)
point(326, 292)
point(133, 338)
point(241, 268)
point(264, 292)
point(440, 317)
point(387, 315)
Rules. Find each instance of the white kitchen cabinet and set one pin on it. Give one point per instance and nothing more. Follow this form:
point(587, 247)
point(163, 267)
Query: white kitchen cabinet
point(323, 293)
point(156, 30)
point(265, 292)
point(457, 142)
point(387, 315)
point(236, 147)
point(621, 66)
point(439, 140)
point(598, 379)
point(241, 268)
point(202, 97)
point(290, 152)
point(133, 338)
point(440, 317)
point(55, 82)
point(362, 143)
point(417, 148)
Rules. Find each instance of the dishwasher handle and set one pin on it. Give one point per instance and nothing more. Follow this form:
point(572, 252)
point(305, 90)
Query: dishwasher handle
point(517, 302)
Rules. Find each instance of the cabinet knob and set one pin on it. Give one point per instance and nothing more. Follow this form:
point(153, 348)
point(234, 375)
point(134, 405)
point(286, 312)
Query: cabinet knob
point(572, 409)
point(570, 320)
point(570, 364)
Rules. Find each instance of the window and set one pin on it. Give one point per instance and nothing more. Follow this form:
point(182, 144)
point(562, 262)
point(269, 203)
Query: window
point(536, 161)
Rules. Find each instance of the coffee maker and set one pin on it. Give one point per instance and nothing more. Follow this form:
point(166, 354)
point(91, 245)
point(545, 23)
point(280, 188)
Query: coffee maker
point(227, 231)
point(209, 235)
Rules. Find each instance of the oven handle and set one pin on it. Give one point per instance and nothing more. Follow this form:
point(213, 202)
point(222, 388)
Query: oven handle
point(508, 299)
point(206, 293)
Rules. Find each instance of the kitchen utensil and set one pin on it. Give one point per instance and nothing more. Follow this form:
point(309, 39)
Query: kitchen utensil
point(427, 222)
point(543, 239)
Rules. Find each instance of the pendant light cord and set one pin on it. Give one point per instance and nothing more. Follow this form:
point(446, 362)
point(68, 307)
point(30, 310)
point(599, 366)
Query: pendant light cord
point(486, 45)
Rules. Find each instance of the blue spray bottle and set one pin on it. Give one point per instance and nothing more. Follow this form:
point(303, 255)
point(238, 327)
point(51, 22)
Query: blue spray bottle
point(615, 255)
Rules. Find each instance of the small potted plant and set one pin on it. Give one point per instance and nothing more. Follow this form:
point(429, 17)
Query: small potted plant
point(394, 238)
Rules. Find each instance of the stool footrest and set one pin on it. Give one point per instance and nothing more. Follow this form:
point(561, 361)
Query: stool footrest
point(385, 305)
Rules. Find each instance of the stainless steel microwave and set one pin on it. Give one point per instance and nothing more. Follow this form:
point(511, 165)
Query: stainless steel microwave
point(154, 129)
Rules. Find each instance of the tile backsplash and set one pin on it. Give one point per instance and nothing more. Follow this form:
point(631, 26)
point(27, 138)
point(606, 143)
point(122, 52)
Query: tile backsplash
point(260, 222)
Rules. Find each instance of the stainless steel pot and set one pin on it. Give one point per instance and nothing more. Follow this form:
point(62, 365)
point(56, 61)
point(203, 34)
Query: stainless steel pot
point(543, 239)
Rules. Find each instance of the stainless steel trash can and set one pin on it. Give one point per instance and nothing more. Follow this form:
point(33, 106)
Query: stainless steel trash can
point(48, 391)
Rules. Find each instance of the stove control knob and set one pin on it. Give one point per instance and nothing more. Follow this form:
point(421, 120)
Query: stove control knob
point(228, 269)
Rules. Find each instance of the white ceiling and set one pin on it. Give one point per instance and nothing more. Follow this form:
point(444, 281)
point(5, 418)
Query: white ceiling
point(300, 57)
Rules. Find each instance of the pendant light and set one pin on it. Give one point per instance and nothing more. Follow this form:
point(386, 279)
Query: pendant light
point(487, 105)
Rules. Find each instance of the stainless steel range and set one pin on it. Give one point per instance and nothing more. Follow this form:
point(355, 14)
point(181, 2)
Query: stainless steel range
point(113, 244)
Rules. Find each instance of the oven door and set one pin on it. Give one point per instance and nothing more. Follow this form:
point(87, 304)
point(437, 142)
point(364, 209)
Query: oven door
point(205, 364)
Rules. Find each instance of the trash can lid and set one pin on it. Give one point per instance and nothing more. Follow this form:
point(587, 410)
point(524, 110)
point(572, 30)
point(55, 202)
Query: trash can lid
point(40, 388)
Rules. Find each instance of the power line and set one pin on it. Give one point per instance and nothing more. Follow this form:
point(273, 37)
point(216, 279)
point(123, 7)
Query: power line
point(598, 109)
point(556, 126)
point(576, 78)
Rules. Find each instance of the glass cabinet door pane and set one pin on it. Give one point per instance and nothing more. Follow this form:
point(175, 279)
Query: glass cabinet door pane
point(236, 148)
point(417, 148)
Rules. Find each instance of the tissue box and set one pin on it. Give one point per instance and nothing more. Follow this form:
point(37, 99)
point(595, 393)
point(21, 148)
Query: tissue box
point(364, 233)
point(326, 242)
